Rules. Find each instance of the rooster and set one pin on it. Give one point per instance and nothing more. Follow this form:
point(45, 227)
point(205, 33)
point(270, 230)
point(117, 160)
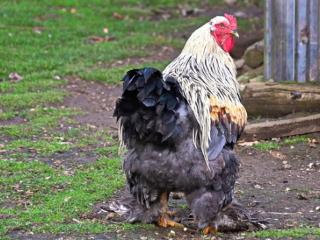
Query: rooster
point(180, 127)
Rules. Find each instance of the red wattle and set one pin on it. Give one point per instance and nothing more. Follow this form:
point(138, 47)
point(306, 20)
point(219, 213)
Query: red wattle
point(228, 44)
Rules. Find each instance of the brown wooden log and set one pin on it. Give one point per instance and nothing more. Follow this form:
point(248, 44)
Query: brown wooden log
point(277, 100)
point(282, 128)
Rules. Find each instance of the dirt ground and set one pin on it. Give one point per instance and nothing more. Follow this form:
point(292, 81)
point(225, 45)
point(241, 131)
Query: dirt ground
point(281, 186)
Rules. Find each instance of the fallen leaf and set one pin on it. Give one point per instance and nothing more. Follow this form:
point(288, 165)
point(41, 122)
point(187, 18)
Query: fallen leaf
point(76, 220)
point(247, 144)
point(313, 142)
point(73, 10)
point(278, 155)
point(118, 16)
point(29, 193)
point(15, 77)
point(97, 39)
point(38, 30)
point(66, 199)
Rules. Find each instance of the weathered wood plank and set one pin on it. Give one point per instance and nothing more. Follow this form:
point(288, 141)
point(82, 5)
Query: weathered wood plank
point(276, 100)
point(277, 48)
point(290, 40)
point(313, 68)
point(302, 40)
point(281, 128)
point(268, 40)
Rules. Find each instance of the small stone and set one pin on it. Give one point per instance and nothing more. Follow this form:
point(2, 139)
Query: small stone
point(143, 238)
point(172, 233)
point(317, 208)
point(287, 166)
point(185, 229)
point(288, 189)
point(301, 196)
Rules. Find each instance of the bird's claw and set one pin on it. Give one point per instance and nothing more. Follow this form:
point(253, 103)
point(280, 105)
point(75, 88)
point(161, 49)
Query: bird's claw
point(166, 222)
point(209, 230)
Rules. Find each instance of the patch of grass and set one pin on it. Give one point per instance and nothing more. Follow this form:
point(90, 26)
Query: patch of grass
point(266, 145)
point(53, 208)
point(289, 233)
point(21, 101)
point(41, 147)
point(295, 140)
point(22, 181)
point(38, 121)
point(272, 145)
point(34, 85)
point(7, 115)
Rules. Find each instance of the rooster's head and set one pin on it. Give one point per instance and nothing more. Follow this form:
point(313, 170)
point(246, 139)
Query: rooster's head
point(224, 29)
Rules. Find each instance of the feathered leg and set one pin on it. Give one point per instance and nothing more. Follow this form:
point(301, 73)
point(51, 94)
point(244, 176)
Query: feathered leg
point(205, 205)
point(164, 220)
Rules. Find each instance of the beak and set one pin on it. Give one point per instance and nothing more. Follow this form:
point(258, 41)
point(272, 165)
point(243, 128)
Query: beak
point(235, 33)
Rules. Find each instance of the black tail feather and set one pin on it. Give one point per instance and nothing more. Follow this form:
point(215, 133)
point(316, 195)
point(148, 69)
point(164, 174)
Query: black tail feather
point(148, 106)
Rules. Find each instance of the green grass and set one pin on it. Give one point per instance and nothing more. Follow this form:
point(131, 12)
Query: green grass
point(272, 145)
point(289, 233)
point(56, 198)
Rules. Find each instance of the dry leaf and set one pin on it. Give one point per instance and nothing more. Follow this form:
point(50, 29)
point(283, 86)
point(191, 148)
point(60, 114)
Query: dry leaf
point(247, 144)
point(117, 16)
point(15, 77)
point(313, 142)
point(278, 155)
point(66, 199)
point(38, 30)
point(73, 10)
point(97, 39)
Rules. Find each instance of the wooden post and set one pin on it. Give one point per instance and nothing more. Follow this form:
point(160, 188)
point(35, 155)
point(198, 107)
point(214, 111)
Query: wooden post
point(314, 39)
point(292, 36)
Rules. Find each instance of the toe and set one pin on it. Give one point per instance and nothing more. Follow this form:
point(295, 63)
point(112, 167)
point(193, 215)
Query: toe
point(209, 230)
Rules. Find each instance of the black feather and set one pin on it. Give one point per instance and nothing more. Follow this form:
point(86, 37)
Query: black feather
point(148, 106)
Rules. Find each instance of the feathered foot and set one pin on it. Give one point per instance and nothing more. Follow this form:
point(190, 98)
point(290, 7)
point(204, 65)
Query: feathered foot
point(209, 230)
point(164, 220)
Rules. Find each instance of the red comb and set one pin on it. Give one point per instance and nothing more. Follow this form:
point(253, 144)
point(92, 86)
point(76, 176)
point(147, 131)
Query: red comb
point(232, 20)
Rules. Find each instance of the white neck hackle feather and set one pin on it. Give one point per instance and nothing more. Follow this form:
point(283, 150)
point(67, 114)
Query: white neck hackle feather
point(218, 78)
